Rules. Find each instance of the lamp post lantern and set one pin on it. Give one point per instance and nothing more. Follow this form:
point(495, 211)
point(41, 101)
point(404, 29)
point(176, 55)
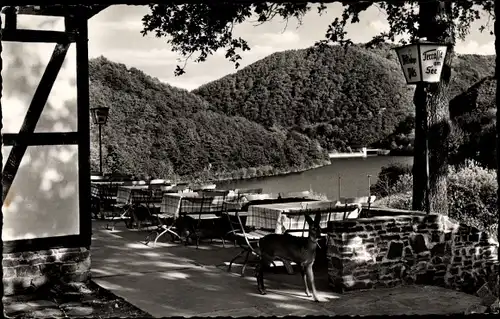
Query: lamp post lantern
point(422, 62)
point(100, 117)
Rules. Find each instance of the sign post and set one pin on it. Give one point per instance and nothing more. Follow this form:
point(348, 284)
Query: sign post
point(422, 62)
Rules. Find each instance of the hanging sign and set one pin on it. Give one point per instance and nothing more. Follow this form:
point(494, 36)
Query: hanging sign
point(422, 62)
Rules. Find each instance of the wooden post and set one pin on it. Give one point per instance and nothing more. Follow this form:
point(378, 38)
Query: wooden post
point(82, 86)
point(1, 171)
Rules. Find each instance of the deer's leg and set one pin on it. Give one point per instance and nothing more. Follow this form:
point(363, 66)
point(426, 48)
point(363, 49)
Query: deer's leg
point(304, 277)
point(264, 261)
point(310, 277)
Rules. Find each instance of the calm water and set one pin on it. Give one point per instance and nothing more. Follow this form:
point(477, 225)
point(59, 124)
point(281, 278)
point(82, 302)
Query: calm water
point(352, 171)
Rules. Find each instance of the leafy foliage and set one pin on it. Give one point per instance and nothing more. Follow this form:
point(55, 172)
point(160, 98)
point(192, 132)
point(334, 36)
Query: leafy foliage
point(206, 28)
point(388, 179)
point(472, 194)
point(474, 112)
point(160, 131)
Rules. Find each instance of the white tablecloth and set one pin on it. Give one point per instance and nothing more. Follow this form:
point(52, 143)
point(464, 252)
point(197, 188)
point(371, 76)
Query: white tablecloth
point(171, 203)
point(274, 217)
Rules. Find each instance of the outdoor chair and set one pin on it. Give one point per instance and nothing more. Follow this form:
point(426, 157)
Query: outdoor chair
point(108, 195)
point(95, 201)
point(143, 206)
point(163, 222)
point(201, 216)
point(248, 241)
point(121, 212)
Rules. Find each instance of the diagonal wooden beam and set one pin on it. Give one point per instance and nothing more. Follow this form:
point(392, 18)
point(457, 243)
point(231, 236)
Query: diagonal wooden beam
point(34, 111)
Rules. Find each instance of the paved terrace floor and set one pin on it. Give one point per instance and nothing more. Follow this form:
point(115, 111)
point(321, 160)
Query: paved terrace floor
point(175, 280)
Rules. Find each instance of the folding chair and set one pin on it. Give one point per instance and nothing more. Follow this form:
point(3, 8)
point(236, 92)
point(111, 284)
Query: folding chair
point(196, 211)
point(124, 207)
point(141, 206)
point(162, 227)
point(108, 195)
point(234, 224)
point(95, 201)
point(248, 242)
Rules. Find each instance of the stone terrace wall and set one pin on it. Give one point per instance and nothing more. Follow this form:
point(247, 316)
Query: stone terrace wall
point(385, 251)
point(28, 271)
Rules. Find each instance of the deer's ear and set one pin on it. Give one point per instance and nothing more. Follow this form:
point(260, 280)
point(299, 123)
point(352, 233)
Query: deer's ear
point(317, 219)
point(309, 219)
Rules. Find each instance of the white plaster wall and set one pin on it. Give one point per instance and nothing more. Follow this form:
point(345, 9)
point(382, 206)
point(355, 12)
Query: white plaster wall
point(43, 199)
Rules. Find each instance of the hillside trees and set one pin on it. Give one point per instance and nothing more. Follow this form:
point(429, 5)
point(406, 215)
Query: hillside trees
point(155, 130)
point(205, 28)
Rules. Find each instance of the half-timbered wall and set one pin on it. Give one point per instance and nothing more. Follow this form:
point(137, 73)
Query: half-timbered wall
point(43, 198)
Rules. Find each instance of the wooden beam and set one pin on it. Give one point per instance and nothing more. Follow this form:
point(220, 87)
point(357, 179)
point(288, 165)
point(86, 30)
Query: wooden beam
point(35, 244)
point(37, 139)
point(147, 2)
point(53, 10)
point(10, 18)
point(83, 127)
point(61, 10)
point(23, 35)
point(34, 111)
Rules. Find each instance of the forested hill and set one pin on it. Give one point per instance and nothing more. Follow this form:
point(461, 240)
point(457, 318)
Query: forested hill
point(341, 97)
point(161, 131)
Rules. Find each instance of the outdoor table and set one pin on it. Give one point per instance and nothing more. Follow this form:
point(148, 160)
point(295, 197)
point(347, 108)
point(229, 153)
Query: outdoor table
point(171, 202)
point(281, 217)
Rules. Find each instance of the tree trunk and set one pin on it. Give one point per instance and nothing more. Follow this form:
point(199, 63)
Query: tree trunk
point(432, 114)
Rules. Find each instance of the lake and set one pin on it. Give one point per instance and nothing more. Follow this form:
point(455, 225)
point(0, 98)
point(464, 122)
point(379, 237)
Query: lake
point(325, 180)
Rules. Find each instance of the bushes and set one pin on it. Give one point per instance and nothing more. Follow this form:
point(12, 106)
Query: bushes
point(388, 179)
point(472, 194)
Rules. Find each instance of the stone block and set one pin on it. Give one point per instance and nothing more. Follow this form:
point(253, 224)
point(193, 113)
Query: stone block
point(336, 263)
point(447, 236)
point(438, 249)
point(395, 250)
point(390, 237)
point(27, 271)
point(457, 259)
point(9, 272)
point(418, 244)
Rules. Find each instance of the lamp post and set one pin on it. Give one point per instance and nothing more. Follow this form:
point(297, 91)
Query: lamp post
point(100, 117)
point(422, 62)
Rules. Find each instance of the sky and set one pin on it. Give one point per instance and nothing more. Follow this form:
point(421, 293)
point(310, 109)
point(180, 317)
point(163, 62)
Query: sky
point(115, 34)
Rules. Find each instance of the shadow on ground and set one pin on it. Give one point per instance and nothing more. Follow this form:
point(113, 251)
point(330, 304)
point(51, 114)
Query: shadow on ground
point(175, 280)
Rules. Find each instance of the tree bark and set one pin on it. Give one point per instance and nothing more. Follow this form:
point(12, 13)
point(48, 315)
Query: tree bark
point(432, 114)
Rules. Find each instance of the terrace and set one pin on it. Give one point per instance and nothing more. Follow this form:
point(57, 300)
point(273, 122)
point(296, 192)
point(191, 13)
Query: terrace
point(174, 279)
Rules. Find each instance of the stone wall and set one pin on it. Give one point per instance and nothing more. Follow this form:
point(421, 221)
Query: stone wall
point(28, 271)
point(385, 251)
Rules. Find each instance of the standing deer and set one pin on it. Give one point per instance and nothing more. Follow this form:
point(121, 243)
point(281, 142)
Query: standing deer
point(301, 250)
